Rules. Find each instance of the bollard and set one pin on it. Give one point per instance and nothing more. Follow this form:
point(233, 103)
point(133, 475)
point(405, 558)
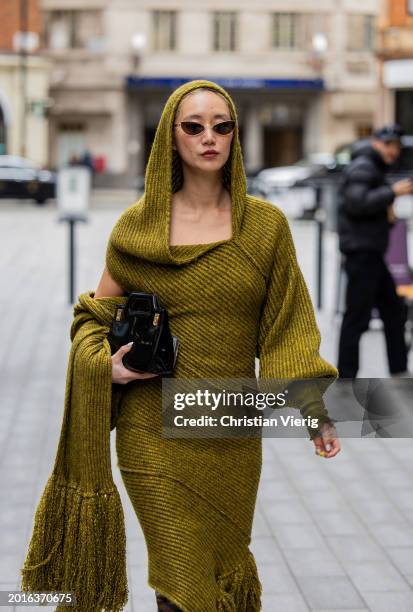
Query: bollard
point(73, 198)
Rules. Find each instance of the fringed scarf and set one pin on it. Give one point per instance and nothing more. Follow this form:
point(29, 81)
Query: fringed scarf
point(78, 542)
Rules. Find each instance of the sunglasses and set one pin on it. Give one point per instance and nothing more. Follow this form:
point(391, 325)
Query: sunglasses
point(193, 129)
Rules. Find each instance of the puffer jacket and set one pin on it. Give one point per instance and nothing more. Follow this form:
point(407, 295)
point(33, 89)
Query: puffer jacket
point(363, 199)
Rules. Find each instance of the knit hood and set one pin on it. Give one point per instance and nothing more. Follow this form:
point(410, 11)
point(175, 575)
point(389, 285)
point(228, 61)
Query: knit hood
point(143, 228)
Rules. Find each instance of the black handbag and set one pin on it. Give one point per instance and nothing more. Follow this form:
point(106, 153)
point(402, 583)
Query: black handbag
point(143, 321)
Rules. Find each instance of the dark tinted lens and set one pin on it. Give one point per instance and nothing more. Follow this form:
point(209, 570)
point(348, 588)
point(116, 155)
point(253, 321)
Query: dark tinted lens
point(224, 128)
point(190, 127)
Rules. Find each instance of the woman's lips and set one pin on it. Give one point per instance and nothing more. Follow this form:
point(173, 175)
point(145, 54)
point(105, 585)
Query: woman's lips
point(210, 154)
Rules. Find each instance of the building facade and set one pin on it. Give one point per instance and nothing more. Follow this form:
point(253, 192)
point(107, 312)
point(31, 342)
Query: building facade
point(395, 52)
point(303, 75)
point(23, 82)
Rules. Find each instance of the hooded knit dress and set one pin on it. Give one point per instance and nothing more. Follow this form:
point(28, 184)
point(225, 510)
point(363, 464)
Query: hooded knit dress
point(228, 302)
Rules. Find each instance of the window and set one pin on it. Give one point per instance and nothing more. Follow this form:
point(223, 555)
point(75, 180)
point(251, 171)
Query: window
point(164, 30)
point(225, 31)
point(360, 32)
point(287, 30)
point(74, 30)
point(364, 130)
point(404, 109)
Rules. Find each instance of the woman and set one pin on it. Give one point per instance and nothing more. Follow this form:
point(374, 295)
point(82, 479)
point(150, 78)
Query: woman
point(223, 263)
point(213, 230)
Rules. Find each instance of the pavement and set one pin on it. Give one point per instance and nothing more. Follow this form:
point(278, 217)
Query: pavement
point(329, 535)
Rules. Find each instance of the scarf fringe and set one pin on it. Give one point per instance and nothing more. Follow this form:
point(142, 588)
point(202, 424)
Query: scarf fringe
point(79, 545)
point(240, 590)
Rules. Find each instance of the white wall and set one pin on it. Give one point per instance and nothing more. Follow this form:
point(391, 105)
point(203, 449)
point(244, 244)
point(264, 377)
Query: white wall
point(37, 89)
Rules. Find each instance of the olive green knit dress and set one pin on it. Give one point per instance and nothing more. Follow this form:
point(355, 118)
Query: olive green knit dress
point(227, 301)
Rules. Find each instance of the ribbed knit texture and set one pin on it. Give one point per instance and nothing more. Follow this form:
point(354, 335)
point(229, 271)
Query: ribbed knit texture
point(78, 542)
point(228, 301)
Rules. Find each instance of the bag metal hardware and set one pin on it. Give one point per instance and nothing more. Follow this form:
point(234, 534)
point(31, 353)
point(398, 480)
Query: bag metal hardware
point(143, 321)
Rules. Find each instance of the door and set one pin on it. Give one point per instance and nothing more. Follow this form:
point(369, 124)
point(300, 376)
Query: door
point(71, 143)
point(283, 146)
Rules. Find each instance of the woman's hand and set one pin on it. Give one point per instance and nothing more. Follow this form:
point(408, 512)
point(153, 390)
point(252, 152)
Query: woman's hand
point(326, 442)
point(122, 375)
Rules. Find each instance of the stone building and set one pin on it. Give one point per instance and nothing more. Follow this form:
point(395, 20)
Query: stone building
point(303, 74)
point(23, 82)
point(395, 52)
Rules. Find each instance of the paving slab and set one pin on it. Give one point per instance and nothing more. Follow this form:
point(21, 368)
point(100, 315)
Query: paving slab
point(328, 535)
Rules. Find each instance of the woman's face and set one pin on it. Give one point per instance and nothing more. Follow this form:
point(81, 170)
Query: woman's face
point(207, 108)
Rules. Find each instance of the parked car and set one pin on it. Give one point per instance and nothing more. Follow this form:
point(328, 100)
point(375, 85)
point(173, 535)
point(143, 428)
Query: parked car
point(22, 179)
point(139, 184)
point(299, 189)
point(286, 186)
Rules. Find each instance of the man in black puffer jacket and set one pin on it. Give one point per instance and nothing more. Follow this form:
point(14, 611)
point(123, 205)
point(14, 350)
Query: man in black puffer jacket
point(365, 216)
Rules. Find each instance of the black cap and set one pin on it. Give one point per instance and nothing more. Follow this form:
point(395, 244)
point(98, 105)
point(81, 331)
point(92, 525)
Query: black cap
point(387, 133)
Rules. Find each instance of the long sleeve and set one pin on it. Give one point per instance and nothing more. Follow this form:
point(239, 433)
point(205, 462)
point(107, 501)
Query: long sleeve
point(361, 198)
point(289, 338)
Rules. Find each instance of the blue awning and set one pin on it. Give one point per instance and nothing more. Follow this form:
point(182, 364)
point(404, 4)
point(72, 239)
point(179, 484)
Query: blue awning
point(136, 82)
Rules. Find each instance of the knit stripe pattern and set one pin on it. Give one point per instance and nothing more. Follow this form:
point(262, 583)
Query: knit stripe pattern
point(78, 542)
point(228, 302)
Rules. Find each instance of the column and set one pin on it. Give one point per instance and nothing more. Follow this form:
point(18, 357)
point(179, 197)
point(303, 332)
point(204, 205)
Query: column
point(253, 140)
